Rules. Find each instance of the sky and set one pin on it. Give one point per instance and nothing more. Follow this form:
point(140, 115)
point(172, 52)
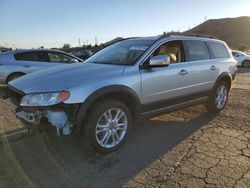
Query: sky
point(52, 23)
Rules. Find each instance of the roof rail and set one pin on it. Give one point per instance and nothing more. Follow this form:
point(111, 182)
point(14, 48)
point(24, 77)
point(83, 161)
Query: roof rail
point(188, 35)
point(121, 39)
point(200, 35)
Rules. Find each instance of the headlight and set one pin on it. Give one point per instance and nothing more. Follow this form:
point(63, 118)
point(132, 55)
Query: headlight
point(44, 99)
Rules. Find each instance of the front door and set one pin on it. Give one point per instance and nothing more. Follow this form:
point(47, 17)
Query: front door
point(163, 84)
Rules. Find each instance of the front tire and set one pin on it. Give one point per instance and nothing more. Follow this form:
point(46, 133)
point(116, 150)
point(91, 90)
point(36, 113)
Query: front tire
point(218, 98)
point(107, 125)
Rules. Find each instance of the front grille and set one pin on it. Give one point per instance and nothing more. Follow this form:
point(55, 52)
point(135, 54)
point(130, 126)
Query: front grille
point(15, 96)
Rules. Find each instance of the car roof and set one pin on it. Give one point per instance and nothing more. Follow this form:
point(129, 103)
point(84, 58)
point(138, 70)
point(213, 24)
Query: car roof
point(177, 37)
point(30, 50)
point(36, 50)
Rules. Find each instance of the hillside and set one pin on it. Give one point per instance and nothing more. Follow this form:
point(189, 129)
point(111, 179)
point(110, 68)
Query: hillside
point(235, 31)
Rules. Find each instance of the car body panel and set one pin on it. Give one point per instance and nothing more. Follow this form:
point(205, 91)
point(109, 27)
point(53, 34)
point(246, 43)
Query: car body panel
point(74, 78)
point(172, 84)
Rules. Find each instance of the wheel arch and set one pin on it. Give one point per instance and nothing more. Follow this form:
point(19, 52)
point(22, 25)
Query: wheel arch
point(243, 61)
point(12, 74)
point(224, 77)
point(118, 92)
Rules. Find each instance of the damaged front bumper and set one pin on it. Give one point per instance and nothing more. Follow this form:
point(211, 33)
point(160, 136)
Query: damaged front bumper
point(60, 116)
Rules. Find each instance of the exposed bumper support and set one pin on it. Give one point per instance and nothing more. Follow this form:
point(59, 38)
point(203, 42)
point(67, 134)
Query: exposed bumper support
point(57, 118)
point(61, 121)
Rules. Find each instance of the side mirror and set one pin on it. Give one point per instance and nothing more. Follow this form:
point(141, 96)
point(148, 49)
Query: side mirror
point(159, 61)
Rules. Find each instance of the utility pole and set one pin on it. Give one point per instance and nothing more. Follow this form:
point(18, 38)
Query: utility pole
point(96, 40)
point(79, 42)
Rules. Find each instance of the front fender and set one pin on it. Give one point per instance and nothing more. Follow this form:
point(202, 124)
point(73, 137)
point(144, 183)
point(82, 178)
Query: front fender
point(84, 107)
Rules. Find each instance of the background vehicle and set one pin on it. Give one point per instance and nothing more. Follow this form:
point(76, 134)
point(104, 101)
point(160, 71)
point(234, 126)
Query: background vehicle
point(84, 54)
point(129, 79)
point(243, 60)
point(16, 63)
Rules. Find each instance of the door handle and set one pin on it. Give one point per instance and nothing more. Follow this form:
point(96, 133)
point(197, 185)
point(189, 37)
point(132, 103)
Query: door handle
point(27, 66)
point(213, 67)
point(183, 72)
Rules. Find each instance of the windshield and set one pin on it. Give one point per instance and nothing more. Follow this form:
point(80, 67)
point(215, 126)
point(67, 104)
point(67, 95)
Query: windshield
point(241, 53)
point(126, 52)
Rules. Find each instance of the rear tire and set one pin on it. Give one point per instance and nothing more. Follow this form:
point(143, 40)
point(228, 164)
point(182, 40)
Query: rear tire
point(246, 64)
point(107, 125)
point(218, 98)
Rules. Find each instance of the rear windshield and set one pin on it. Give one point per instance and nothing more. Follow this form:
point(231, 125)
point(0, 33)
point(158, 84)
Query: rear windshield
point(126, 52)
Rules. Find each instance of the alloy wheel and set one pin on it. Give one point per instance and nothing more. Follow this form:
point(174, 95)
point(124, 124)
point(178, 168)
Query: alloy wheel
point(221, 96)
point(111, 127)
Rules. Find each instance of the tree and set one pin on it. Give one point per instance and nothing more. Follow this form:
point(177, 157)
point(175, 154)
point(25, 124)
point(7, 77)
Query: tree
point(66, 46)
point(243, 47)
point(172, 32)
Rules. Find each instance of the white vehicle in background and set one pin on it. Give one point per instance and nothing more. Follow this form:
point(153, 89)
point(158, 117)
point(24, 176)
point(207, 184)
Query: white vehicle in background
point(243, 60)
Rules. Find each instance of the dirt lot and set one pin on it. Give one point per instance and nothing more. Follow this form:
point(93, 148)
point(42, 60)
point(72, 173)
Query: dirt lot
point(188, 148)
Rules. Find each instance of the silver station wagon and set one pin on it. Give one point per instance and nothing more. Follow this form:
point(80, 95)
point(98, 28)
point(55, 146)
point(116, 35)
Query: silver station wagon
point(130, 79)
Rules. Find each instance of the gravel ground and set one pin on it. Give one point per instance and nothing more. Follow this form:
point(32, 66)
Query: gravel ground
point(187, 148)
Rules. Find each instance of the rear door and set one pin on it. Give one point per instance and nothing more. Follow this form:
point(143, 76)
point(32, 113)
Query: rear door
point(31, 61)
point(204, 69)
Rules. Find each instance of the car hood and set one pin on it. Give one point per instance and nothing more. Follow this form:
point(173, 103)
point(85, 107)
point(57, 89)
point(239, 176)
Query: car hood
point(65, 77)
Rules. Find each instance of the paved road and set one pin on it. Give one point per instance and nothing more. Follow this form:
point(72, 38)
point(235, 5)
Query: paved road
point(188, 148)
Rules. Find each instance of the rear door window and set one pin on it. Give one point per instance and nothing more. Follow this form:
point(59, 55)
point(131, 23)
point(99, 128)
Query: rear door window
point(196, 50)
point(32, 56)
point(218, 50)
point(26, 56)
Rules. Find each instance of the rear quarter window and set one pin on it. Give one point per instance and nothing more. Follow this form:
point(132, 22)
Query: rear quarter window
point(196, 50)
point(218, 50)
